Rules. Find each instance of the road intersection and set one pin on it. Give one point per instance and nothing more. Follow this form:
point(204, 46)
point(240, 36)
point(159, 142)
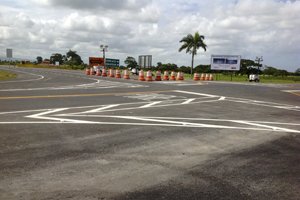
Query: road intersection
point(68, 135)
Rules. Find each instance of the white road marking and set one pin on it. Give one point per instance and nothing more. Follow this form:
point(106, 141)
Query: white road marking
point(150, 104)
point(100, 109)
point(195, 93)
point(41, 77)
point(188, 101)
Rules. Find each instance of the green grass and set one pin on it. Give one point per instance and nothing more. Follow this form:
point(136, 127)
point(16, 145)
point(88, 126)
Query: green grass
point(4, 75)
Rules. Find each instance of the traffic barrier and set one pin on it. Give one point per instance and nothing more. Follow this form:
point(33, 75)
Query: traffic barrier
point(173, 78)
point(166, 76)
point(158, 76)
point(207, 77)
point(126, 74)
point(98, 71)
point(141, 76)
point(149, 76)
point(92, 71)
point(196, 77)
point(178, 76)
point(211, 78)
point(104, 74)
point(202, 77)
point(111, 73)
point(118, 73)
point(87, 71)
point(181, 76)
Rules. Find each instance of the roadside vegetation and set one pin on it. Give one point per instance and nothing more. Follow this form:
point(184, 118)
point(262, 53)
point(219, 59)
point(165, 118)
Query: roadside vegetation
point(4, 75)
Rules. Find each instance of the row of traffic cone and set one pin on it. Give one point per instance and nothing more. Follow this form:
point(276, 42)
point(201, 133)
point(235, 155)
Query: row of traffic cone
point(149, 75)
point(207, 77)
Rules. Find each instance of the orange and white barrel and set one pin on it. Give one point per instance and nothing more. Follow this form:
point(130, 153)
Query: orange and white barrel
point(98, 72)
point(207, 77)
point(211, 77)
point(178, 76)
point(158, 76)
point(111, 73)
point(87, 71)
point(126, 74)
point(202, 77)
point(173, 78)
point(149, 76)
point(104, 74)
point(181, 76)
point(166, 76)
point(92, 71)
point(118, 73)
point(141, 75)
point(196, 77)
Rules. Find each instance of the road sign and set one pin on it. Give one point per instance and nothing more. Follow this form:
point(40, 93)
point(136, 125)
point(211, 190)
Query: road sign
point(112, 62)
point(9, 53)
point(94, 61)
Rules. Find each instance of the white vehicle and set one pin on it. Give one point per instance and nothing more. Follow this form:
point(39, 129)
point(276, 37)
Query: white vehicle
point(254, 77)
point(134, 71)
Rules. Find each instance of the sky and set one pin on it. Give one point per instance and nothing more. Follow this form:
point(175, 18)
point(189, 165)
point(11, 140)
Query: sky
point(250, 28)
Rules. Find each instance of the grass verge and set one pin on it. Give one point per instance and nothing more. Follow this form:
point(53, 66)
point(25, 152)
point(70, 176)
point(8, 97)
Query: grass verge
point(4, 75)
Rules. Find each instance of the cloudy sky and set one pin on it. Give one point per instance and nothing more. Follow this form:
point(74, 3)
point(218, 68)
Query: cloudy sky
point(250, 28)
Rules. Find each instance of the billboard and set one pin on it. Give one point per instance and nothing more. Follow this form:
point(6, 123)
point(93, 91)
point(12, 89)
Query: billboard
point(9, 53)
point(225, 62)
point(145, 61)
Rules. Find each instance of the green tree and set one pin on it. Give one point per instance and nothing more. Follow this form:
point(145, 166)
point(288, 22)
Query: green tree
point(192, 44)
point(297, 72)
point(130, 62)
point(249, 67)
point(169, 67)
point(56, 57)
point(202, 69)
point(269, 70)
point(73, 56)
point(281, 73)
point(39, 59)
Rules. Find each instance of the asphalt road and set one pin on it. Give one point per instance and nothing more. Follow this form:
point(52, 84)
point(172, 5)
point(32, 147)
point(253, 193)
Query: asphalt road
point(67, 135)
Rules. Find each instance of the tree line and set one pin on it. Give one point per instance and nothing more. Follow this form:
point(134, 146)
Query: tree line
point(71, 59)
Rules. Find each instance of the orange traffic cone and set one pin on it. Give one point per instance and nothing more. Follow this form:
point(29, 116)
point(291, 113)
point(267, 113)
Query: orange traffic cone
point(126, 74)
point(173, 78)
point(166, 76)
point(181, 76)
point(141, 76)
point(178, 76)
point(196, 77)
point(158, 75)
point(98, 72)
point(87, 71)
point(104, 74)
point(118, 73)
point(211, 78)
point(92, 71)
point(111, 73)
point(149, 76)
point(202, 77)
point(207, 77)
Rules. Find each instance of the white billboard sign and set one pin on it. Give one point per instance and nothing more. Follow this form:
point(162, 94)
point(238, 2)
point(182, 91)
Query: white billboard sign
point(225, 62)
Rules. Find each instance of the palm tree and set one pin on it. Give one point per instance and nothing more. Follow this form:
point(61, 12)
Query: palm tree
point(192, 44)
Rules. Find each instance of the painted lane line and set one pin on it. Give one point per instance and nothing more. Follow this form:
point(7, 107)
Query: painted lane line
point(188, 101)
point(266, 126)
point(150, 104)
point(201, 94)
point(222, 98)
point(100, 109)
point(181, 123)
